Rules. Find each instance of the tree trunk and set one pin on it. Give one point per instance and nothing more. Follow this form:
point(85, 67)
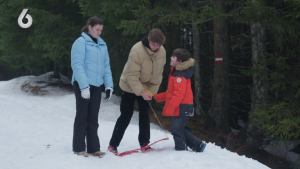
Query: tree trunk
point(220, 101)
point(254, 131)
point(196, 53)
point(56, 71)
point(196, 42)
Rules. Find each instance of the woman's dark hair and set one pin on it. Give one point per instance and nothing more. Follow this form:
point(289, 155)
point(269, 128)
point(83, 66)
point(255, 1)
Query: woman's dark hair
point(181, 54)
point(157, 36)
point(94, 20)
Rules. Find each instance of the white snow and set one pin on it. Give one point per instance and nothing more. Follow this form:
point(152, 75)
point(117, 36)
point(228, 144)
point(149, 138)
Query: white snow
point(36, 133)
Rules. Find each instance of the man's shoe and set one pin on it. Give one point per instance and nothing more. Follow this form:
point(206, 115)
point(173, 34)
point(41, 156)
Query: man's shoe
point(200, 148)
point(113, 149)
point(98, 154)
point(148, 149)
point(82, 153)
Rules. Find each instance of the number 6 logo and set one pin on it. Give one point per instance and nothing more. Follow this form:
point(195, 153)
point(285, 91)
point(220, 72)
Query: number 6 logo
point(29, 23)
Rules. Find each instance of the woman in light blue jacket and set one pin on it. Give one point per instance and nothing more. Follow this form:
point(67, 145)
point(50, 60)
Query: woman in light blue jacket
point(91, 69)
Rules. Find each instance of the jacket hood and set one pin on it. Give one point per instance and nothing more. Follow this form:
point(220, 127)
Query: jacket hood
point(186, 64)
point(185, 69)
point(89, 39)
point(145, 42)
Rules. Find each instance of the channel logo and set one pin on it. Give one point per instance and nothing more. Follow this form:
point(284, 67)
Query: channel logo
point(29, 18)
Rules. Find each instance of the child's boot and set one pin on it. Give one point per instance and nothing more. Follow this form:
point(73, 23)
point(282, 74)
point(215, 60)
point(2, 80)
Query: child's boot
point(201, 147)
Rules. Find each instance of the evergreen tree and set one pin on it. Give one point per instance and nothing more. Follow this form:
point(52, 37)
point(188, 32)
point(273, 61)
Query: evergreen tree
point(280, 116)
point(47, 43)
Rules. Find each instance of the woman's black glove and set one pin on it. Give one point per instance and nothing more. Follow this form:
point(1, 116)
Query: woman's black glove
point(108, 92)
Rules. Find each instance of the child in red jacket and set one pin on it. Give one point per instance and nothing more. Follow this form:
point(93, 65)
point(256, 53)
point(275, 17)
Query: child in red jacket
point(179, 101)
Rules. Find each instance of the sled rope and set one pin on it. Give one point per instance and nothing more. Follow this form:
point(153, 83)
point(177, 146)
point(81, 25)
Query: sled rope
point(155, 113)
point(158, 120)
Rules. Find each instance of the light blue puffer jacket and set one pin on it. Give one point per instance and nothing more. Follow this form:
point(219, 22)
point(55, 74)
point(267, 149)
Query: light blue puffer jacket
point(90, 62)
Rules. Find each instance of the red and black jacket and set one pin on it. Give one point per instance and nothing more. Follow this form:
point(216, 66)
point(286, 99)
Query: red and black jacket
point(179, 95)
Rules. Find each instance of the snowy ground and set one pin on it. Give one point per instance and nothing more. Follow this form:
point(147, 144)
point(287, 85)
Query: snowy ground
point(36, 133)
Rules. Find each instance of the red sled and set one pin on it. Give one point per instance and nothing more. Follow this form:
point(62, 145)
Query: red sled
point(137, 150)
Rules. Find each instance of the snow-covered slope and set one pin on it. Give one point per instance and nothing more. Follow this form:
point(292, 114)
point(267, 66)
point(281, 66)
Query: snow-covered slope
point(36, 133)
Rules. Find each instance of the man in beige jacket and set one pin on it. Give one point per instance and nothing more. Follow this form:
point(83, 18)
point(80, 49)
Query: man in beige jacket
point(143, 71)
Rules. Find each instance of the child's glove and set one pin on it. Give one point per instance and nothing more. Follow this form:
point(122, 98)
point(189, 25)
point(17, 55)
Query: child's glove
point(85, 93)
point(108, 92)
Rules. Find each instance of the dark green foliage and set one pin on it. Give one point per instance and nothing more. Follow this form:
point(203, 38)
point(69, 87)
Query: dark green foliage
point(47, 42)
point(280, 116)
point(281, 121)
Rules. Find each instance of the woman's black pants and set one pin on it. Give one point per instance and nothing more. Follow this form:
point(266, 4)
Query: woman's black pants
point(86, 120)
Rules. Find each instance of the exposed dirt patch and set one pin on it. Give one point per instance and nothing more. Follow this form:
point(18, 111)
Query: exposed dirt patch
point(35, 90)
point(41, 87)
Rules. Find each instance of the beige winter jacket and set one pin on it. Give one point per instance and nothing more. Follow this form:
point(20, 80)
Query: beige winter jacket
point(143, 70)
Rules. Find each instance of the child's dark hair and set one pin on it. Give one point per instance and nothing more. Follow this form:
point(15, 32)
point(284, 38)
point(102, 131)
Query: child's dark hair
point(181, 54)
point(95, 20)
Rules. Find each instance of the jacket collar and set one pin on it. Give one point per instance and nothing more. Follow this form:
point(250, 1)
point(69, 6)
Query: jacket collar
point(89, 39)
point(147, 48)
point(187, 68)
point(186, 64)
point(150, 52)
point(145, 42)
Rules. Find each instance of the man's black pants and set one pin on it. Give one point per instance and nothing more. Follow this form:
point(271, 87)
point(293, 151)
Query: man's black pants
point(127, 108)
point(86, 120)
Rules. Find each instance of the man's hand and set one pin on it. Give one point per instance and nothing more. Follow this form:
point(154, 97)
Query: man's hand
point(146, 96)
point(85, 93)
point(108, 92)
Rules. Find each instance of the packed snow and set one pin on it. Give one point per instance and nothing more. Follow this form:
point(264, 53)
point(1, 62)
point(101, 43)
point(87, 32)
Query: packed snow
point(36, 133)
